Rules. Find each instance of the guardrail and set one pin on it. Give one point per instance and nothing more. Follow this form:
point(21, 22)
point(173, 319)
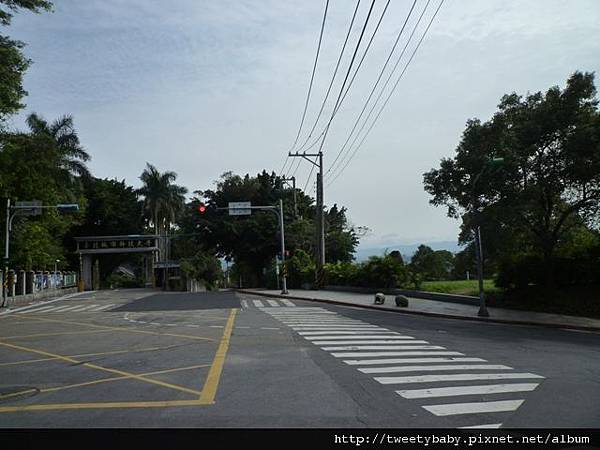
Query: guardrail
point(21, 286)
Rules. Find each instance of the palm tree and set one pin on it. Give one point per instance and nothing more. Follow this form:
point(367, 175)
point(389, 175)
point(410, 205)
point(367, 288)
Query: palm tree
point(162, 199)
point(71, 156)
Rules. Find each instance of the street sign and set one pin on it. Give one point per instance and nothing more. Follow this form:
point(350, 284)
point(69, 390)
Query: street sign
point(240, 208)
point(32, 208)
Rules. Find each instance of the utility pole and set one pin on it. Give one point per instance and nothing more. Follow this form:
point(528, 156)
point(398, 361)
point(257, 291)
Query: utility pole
point(293, 180)
point(320, 219)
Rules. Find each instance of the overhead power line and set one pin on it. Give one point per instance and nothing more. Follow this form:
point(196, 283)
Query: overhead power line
point(312, 77)
point(390, 94)
point(375, 85)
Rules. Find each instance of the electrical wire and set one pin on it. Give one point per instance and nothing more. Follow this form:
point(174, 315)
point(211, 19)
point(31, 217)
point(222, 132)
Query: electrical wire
point(310, 86)
point(389, 95)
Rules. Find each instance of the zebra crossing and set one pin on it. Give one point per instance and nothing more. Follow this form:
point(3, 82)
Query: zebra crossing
point(267, 303)
point(476, 393)
point(70, 308)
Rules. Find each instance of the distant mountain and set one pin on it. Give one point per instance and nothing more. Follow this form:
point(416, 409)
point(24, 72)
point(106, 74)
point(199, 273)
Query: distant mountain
point(406, 250)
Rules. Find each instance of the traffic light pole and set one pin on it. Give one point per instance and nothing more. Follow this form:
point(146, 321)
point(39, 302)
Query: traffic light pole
point(278, 210)
point(320, 219)
point(9, 219)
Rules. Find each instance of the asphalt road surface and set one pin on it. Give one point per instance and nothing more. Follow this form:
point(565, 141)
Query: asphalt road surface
point(143, 358)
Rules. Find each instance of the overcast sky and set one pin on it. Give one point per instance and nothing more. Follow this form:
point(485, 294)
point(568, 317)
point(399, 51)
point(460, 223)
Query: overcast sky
point(204, 87)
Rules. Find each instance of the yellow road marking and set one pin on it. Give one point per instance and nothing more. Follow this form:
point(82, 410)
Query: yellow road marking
point(115, 352)
point(54, 334)
point(209, 391)
point(105, 369)
point(103, 380)
point(101, 405)
point(124, 329)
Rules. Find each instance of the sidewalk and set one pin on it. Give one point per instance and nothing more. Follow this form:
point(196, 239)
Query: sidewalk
point(436, 308)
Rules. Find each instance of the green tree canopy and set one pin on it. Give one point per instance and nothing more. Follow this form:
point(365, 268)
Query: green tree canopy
point(549, 179)
point(13, 63)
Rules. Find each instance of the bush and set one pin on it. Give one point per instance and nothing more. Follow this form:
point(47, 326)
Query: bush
point(379, 272)
point(202, 267)
point(301, 269)
point(522, 270)
point(117, 280)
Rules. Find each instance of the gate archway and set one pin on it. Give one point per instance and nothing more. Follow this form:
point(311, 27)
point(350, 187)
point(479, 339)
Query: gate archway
point(90, 247)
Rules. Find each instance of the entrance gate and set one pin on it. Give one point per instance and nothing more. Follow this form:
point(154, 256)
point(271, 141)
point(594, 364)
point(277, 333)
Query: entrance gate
point(89, 246)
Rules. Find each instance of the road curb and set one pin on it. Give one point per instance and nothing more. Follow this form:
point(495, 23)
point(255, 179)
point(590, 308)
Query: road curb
point(425, 313)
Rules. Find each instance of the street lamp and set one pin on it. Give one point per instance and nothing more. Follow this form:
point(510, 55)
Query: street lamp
point(56, 271)
point(483, 312)
point(26, 208)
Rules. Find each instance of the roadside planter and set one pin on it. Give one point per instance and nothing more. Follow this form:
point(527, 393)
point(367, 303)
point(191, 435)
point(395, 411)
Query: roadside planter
point(379, 298)
point(401, 301)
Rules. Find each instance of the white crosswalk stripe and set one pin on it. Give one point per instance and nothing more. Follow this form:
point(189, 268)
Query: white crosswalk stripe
point(366, 362)
point(456, 377)
point(374, 350)
point(474, 407)
point(434, 368)
point(467, 390)
point(281, 304)
point(69, 309)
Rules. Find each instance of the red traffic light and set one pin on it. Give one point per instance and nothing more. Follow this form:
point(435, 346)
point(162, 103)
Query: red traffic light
point(202, 208)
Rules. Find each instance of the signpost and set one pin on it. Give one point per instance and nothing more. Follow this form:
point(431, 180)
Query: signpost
point(245, 209)
point(240, 208)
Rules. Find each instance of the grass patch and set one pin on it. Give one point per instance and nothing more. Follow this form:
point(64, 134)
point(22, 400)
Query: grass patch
point(459, 287)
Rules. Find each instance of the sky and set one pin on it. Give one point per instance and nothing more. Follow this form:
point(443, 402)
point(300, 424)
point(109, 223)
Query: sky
point(204, 87)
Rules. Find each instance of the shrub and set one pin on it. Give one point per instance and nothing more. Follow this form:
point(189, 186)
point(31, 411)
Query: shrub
point(301, 269)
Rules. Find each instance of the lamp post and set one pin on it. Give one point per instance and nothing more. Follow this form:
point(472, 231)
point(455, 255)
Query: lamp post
point(56, 272)
point(483, 312)
point(29, 208)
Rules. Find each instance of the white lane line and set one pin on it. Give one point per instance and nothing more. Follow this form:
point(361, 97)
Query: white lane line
point(381, 342)
point(467, 390)
point(343, 338)
point(243, 327)
point(67, 308)
point(258, 303)
point(102, 308)
point(489, 425)
point(83, 308)
point(273, 303)
point(336, 328)
point(365, 362)
point(269, 328)
point(313, 320)
point(474, 408)
point(455, 377)
point(287, 303)
point(435, 368)
point(383, 347)
point(44, 308)
point(216, 326)
point(332, 332)
point(61, 308)
point(244, 304)
point(378, 354)
point(327, 325)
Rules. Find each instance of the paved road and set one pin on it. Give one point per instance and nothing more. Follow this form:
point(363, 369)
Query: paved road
point(142, 358)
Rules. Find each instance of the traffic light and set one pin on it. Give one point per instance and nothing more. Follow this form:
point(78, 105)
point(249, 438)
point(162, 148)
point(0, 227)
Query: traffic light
point(201, 208)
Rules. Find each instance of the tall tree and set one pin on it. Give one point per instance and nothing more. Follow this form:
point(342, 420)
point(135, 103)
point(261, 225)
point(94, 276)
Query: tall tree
point(163, 199)
point(13, 63)
point(549, 180)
